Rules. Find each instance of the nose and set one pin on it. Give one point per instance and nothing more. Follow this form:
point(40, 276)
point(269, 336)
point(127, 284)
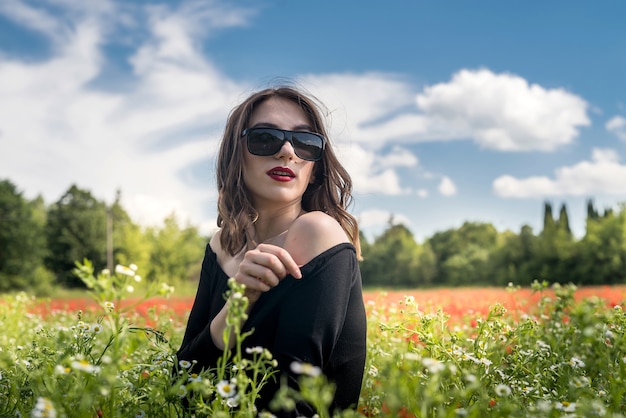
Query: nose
point(286, 150)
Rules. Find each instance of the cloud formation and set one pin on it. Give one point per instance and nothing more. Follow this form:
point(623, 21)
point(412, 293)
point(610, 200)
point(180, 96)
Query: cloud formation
point(603, 174)
point(617, 126)
point(502, 112)
point(446, 187)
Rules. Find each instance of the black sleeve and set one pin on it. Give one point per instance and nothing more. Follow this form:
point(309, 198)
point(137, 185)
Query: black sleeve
point(197, 343)
point(322, 322)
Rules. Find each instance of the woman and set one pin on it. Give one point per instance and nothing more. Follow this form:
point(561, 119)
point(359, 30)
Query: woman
point(286, 235)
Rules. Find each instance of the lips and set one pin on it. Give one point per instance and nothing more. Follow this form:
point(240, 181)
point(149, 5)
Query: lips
point(281, 173)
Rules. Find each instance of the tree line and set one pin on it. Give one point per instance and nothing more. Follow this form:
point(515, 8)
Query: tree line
point(40, 243)
point(477, 254)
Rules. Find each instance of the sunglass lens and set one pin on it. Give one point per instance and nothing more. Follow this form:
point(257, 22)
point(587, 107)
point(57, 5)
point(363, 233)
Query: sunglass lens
point(307, 146)
point(264, 142)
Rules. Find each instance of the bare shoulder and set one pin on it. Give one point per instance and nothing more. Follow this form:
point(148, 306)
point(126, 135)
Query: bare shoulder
point(215, 243)
point(312, 234)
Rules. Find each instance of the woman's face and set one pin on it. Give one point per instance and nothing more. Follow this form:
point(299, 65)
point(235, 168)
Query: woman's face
point(278, 180)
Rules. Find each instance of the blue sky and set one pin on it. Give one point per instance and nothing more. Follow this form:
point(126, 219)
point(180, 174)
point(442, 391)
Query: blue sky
point(443, 112)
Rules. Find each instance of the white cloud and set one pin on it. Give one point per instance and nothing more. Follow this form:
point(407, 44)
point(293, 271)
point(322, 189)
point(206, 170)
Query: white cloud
point(371, 172)
point(447, 187)
point(602, 175)
point(497, 111)
point(617, 126)
point(423, 193)
point(502, 112)
point(57, 129)
point(372, 218)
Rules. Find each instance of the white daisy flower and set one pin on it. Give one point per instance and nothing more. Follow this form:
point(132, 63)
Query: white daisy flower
point(44, 408)
point(503, 390)
point(254, 350)
point(305, 368)
point(226, 389)
point(185, 364)
point(127, 271)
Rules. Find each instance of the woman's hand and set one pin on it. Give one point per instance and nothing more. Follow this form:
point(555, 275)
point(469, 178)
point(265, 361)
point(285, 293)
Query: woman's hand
point(260, 270)
point(263, 268)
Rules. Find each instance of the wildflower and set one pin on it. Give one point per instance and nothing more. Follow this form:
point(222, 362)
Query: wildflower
point(503, 390)
point(185, 364)
point(165, 289)
point(194, 378)
point(485, 361)
point(127, 271)
point(373, 371)
point(470, 378)
point(182, 391)
point(566, 406)
point(492, 403)
point(544, 406)
point(254, 350)
point(411, 356)
point(137, 278)
point(305, 368)
point(580, 381)
point(133, 267)
point(433, 365)
point(576, 363)
point(59, 369)
point(85, 366)
point(130, 289)
point(106, 272)
point(233, 401)
point(96, 328)
point(226, 389)
point(44, 408)
point(408, 300)
point(109, 306)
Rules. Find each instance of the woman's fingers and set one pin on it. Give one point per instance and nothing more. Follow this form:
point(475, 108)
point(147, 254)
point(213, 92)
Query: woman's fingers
point(282, 261)
point(265, 266)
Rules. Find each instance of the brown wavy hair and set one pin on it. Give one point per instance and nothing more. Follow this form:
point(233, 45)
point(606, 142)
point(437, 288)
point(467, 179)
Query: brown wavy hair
point(331, 191)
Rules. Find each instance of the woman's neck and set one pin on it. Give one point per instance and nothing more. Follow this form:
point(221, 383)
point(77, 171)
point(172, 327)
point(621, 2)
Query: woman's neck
point(271, 225)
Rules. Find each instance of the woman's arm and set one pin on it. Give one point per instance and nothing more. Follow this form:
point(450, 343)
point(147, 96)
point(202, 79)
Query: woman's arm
point(261, 270)
point(197, 343)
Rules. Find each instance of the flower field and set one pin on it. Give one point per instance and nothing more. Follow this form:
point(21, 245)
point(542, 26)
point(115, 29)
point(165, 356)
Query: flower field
point(544, 351)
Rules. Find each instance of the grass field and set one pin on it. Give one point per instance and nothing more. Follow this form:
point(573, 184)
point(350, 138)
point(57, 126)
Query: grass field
point(546, 351)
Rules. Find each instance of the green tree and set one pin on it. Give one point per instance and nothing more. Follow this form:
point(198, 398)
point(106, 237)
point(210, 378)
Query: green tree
point(563, 223)
point(514, 258)
point(131, 243)
point(392, 259)
point(472, 241)
point(76, 229)
point(22, 241)
point(602, 251)
point(556, 254)
point(176, 252)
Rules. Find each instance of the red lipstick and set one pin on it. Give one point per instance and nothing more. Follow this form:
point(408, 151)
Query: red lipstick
point(281, 174)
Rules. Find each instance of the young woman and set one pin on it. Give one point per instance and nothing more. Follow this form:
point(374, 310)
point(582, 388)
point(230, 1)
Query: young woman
point(285, 234)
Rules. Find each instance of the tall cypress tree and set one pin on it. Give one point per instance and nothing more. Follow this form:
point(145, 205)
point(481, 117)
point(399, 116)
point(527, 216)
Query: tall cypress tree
point(548, 219)
point(564, 221)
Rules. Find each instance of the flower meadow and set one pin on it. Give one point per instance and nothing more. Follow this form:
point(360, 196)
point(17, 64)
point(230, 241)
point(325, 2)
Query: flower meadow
point(545, 351)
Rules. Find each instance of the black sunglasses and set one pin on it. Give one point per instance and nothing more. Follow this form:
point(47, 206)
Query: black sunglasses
point(268, 141)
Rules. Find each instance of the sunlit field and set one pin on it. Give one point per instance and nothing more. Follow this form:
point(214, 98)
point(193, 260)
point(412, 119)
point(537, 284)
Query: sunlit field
point(545, 351)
